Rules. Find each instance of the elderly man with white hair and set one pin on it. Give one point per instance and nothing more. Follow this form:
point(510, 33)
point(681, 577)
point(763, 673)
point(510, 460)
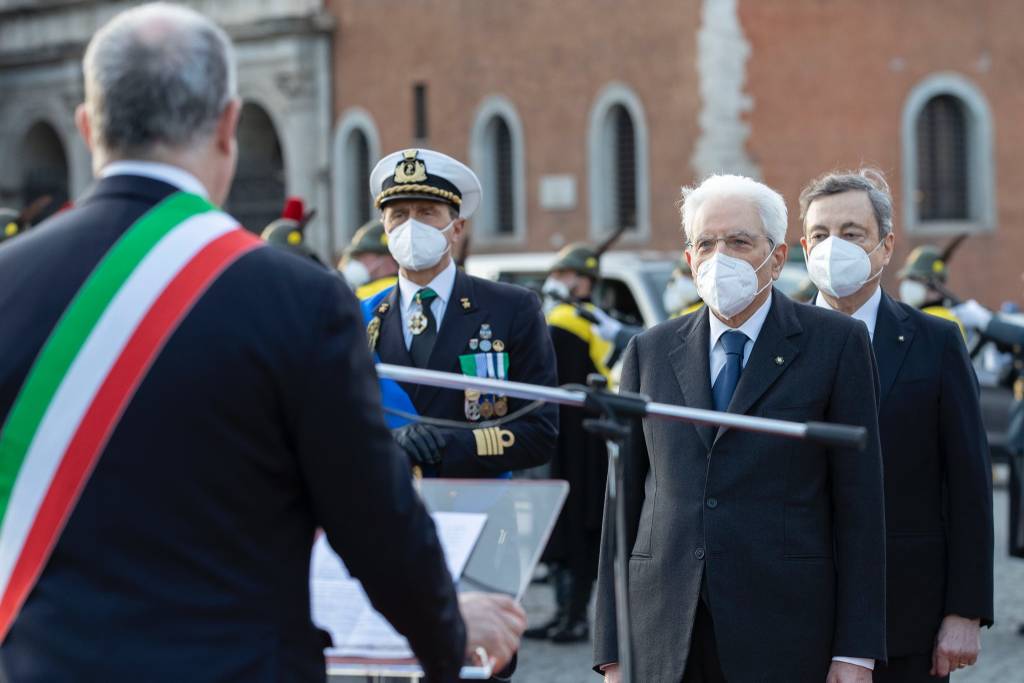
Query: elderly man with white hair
point(753, 559)
point(182, 408)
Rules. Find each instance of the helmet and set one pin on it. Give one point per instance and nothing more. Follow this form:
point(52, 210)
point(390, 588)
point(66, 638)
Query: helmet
point(924, 264)
point(289, 231)
point(369, 239)
point(10, 224)
point(580, 258)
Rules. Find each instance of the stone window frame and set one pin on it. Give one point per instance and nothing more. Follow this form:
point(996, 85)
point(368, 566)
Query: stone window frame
point(352, 120)
point(981, 172)
point(481, 158)
point(599, 160)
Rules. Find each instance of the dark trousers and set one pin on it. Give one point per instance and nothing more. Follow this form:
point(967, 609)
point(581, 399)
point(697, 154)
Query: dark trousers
point(702, 664)
point(913, 669)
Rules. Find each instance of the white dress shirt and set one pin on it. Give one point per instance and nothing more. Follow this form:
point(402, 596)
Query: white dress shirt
point(867, 313)
point(442, 285)
point(172, 175)
point(752, 328)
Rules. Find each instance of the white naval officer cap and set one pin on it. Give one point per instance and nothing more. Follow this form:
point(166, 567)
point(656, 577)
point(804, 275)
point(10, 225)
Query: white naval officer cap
point(425, 174)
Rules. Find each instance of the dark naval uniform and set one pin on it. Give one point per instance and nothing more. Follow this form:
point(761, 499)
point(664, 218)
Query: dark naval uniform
point(485, 325)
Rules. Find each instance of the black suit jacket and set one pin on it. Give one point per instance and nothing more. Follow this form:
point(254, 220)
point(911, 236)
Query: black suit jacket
point(790, 534)
point(938, 479)
point(515, 319)
point(187, 556)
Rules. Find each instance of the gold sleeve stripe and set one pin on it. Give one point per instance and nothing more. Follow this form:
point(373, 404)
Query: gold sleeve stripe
point(493, 441)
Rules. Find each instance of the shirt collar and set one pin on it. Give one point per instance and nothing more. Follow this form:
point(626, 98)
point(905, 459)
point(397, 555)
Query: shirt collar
point(751, 328)
point(867, 313)
point(172, 175)
point(442, 284)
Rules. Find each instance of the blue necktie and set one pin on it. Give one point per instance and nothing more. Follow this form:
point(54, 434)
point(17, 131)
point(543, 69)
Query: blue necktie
point(725, 384)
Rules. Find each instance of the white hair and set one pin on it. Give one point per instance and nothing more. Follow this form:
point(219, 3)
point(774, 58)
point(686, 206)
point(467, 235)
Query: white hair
point(771, 207)
point(157, 75)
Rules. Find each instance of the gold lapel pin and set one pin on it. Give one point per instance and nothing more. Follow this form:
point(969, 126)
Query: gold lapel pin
point(465, 303)
point(779, 360)
point(901, 339)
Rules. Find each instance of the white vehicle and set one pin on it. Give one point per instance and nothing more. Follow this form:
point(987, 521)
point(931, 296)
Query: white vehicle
point(631, 282)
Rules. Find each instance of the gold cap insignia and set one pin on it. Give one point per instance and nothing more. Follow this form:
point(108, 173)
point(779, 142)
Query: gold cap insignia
point(411, 169)
point(11, 230)
point(591, 262)
point(493, 441)
point(294, 237)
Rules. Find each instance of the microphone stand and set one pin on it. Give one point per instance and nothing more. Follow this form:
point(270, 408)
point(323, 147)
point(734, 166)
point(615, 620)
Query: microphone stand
point(619, 423)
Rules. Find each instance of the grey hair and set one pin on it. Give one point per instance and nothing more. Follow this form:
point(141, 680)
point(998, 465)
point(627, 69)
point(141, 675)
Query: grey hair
point(157, 75)
point(771, 207)
point(869, 180)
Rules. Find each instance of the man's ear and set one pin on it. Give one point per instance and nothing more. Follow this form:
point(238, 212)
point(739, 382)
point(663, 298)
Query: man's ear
point(458, 226)
point(779, 259)
point(83, 124)
point(227, 126)
point(889, 244)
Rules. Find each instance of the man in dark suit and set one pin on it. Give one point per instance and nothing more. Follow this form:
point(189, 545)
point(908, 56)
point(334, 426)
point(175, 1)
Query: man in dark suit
point(440, 318)
point(187, 554)
point(938, 479)
point(753, 558)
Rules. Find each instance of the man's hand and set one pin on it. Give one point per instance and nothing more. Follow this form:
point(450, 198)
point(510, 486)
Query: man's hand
point(422, 443)
point(607, 327)
point(957, 645)
point(973, 315)
point(844, 672)
point(612, 674)
point(493, 622)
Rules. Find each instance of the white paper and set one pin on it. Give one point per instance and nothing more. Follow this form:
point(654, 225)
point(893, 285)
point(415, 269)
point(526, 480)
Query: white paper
point(340, 605)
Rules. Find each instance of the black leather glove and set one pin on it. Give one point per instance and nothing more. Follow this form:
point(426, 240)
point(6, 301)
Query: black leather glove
point(422, 443)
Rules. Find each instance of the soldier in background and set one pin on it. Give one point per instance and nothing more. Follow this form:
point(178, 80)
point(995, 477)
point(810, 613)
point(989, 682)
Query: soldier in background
point(367, 265)
point(289, 231)
point(581, 458)
point(680, 296)
point(922, 281)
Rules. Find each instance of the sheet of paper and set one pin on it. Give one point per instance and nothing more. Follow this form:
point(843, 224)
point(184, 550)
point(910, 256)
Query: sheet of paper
point(341, 607)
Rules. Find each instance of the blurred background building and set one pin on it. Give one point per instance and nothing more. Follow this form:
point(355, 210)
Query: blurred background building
point(583, 115)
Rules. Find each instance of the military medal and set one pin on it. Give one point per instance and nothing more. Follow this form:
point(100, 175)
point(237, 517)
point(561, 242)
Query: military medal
point(501, 406)
point(417, 323)
point(499, 345)
point(485, 332)
point(472, 410)
point(487, 409)
point(474, 344)
point(373, 332)
point(485, 345)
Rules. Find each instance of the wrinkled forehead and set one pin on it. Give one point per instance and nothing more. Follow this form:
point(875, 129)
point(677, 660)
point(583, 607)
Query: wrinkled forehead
point(836, 210)
point(726, 214)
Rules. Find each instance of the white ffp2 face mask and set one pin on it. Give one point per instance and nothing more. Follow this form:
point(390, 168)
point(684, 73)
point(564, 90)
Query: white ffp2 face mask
point(913, 293)
point(728, 284)
point(840, 268)
point(355, 273)
point(418, 246)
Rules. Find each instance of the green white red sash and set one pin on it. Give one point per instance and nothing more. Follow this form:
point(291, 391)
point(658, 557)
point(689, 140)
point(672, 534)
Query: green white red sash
point(88, 370)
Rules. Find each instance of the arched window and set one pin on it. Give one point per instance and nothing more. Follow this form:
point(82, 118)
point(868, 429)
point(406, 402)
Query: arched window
point(942, 160)
point(948, 172)
point(257, 193)
point(356, 150)
point(496, 154)
point(619, 192)
point(44, 169)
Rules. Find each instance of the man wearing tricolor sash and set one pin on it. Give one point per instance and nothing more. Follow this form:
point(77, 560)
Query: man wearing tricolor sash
point(182, 409)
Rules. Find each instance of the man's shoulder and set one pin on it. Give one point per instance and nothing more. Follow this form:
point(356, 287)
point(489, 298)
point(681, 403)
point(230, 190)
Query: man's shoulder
point(667, 332)
point(818, 318)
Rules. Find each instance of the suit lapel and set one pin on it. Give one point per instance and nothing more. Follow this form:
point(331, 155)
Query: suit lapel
point(391, 343)
point(691, 366)
point(458, 325)
point(771, 356)
point(892, 338)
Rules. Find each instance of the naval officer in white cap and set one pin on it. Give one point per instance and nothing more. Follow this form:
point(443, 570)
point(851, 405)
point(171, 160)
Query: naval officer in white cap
point(440, 318)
